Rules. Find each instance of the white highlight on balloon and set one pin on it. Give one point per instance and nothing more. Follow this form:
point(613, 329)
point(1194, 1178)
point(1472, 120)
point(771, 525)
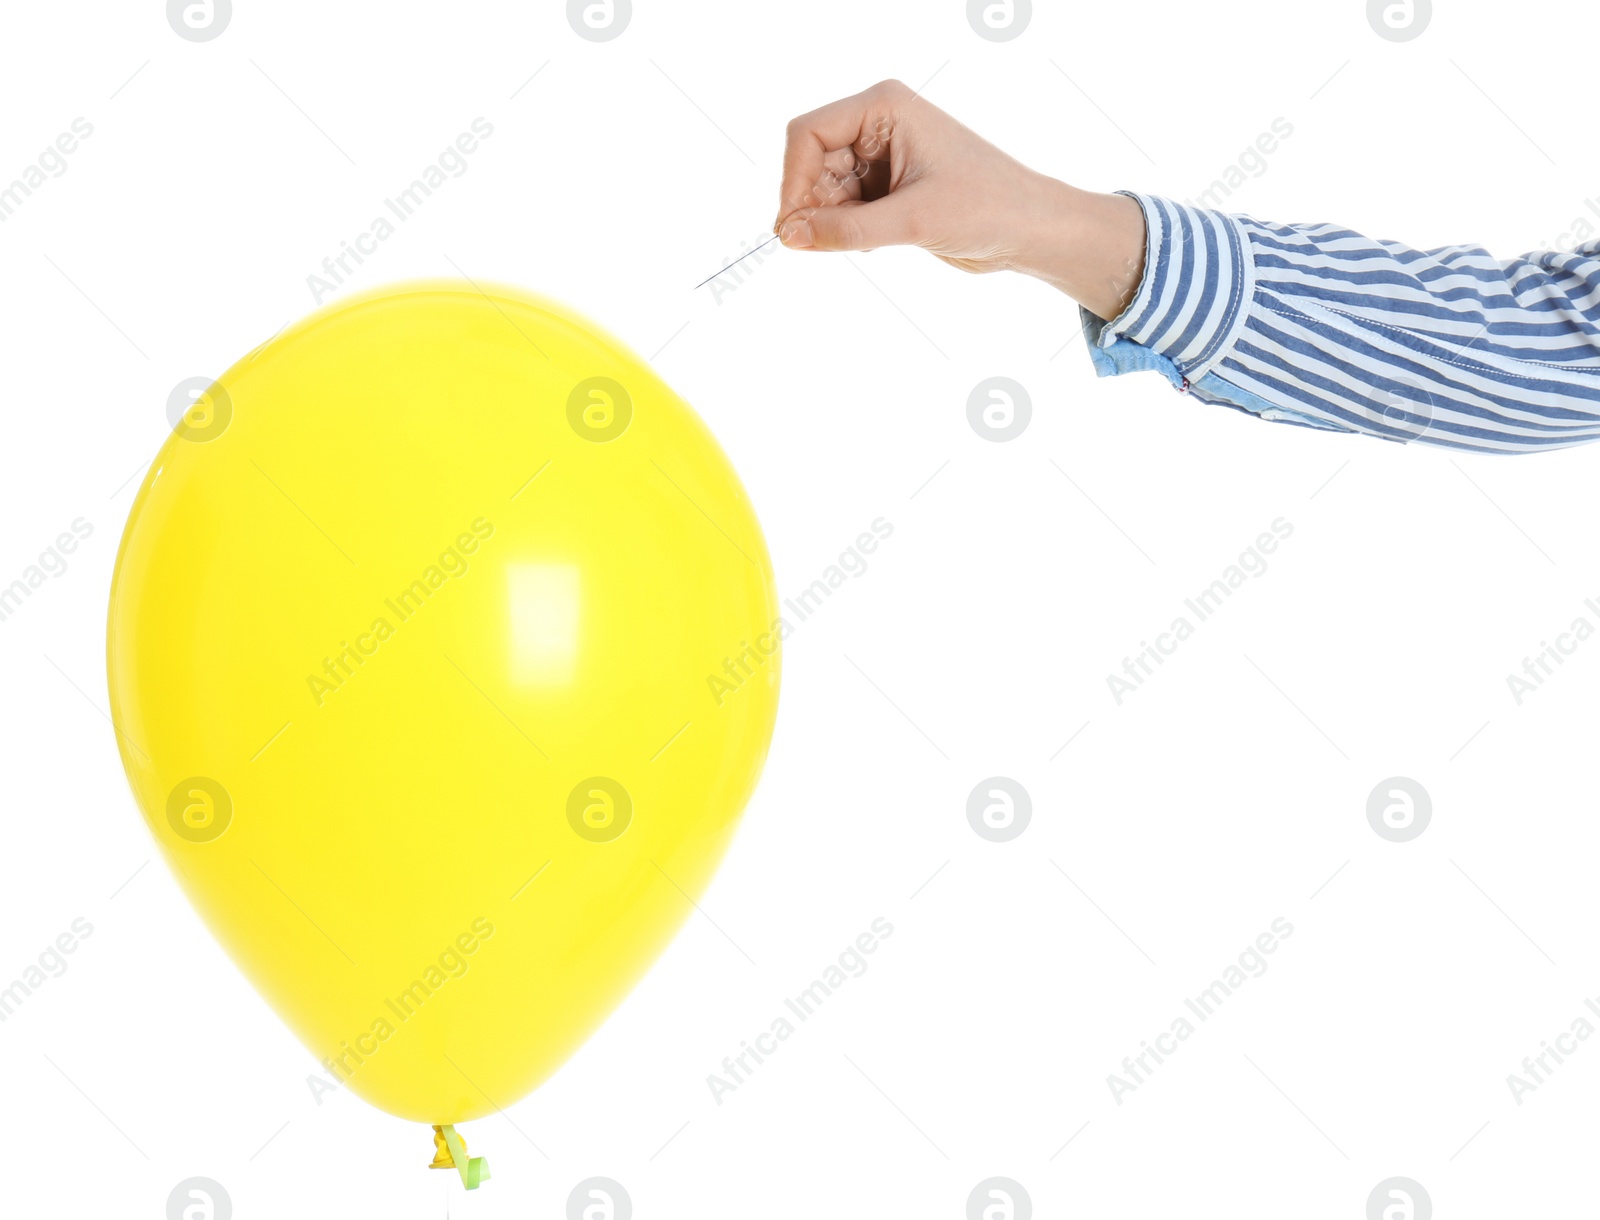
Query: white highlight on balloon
point(545, 599)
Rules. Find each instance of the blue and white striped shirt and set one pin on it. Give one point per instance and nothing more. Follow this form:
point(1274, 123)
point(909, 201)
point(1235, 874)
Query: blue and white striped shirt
point(1319, 326)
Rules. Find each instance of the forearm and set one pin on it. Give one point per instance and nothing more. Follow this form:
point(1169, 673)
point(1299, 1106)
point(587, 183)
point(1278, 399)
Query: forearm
point(1090, 246)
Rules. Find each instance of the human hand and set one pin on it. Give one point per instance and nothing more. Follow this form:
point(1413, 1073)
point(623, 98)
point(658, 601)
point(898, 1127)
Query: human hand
point(887, 167)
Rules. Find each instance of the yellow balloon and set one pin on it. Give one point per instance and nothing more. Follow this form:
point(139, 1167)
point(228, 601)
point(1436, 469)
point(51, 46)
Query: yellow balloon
point(443, 656)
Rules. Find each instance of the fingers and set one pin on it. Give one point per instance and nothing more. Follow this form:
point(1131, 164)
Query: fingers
point(890, 221)
point(856, 127)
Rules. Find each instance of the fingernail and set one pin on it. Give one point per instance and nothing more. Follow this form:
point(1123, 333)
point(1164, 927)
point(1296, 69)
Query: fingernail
point(796, 234)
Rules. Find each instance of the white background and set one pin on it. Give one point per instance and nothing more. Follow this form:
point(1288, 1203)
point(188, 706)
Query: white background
point(1170, 832)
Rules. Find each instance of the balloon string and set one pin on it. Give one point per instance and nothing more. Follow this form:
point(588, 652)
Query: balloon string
point(450, 1152)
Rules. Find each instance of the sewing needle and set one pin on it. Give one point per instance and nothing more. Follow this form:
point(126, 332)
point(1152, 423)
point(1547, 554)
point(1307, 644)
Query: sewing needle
point(738, 260)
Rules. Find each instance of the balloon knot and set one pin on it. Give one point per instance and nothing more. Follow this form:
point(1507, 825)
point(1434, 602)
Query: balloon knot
point(450, 1152)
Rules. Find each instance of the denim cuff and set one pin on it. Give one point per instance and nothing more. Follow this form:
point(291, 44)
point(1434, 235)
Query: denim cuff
point(1193, 301)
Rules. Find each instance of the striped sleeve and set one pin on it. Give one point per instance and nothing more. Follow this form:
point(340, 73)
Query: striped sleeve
point(1320, 326)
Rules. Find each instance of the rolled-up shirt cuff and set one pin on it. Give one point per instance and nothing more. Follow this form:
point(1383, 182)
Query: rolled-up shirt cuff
point(1193, 300)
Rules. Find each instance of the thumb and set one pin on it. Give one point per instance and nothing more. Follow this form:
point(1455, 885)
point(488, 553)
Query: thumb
point(852, 225)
